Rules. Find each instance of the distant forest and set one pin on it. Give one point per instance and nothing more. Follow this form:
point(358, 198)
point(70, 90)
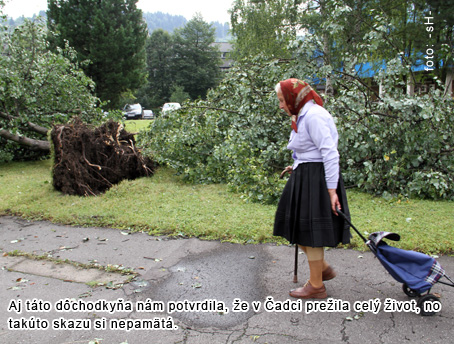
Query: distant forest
point(157, 20)
point(169, 22)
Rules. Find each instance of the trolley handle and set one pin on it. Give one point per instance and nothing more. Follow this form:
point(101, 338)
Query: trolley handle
point(349, 222)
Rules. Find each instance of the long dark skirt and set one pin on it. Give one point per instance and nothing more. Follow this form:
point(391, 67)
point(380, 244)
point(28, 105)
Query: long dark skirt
point(304, 214)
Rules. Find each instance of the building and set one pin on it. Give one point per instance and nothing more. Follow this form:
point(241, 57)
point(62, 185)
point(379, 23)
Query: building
point(225, 50)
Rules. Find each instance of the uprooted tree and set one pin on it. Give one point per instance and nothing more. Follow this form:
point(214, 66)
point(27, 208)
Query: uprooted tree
point(39, 90)
point(89, 161)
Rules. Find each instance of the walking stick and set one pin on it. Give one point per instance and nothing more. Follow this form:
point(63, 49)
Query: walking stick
point(295, 269)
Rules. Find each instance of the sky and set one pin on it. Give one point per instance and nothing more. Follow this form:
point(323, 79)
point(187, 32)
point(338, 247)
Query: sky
point(211, 10)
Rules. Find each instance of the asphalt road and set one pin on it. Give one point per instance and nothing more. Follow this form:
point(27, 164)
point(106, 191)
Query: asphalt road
point(193, 291)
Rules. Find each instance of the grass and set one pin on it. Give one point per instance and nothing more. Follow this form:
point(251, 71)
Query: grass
point(164, 205)
point(134, 126)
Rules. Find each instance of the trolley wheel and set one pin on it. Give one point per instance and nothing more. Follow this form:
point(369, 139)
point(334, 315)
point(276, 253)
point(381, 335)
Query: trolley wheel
point(432, 307)
point(409, 292)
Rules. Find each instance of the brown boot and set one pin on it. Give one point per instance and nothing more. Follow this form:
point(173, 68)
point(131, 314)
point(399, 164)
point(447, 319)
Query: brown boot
point(309, 292)
point(328, 274)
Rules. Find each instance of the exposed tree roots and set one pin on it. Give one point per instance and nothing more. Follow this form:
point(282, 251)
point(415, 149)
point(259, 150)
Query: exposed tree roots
point(89, 161)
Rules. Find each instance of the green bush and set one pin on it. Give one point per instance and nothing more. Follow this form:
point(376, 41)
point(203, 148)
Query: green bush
point(398, 144)
point(395, 145)
point(236, 136)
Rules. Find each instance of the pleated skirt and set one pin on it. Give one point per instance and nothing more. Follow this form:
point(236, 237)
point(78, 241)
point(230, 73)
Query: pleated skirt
point(304, 214)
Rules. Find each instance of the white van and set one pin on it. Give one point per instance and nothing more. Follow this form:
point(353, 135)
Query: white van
point(170, 107)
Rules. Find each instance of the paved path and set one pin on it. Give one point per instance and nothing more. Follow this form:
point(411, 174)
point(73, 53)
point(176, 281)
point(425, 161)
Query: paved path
point(175, 277)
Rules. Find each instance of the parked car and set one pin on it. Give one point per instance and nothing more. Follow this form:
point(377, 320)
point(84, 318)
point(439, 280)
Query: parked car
point(148, 114)
point(133, 111)
point(170, 107)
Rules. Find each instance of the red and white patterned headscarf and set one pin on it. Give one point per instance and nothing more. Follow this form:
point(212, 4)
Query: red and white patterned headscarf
point(297, 93)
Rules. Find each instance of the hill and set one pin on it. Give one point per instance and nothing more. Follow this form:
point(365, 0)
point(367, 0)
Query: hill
point(156, 20)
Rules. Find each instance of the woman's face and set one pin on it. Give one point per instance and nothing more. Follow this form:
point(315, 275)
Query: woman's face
point(282, 103)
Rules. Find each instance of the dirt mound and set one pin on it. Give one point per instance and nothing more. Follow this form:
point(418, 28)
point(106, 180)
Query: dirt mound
point(89, 161)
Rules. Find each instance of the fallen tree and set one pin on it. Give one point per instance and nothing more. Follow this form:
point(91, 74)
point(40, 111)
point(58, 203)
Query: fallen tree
point(88, 161)
point(38, 89)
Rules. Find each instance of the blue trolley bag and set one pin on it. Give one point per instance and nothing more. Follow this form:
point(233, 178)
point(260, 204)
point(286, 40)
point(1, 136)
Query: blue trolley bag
point(417, 271)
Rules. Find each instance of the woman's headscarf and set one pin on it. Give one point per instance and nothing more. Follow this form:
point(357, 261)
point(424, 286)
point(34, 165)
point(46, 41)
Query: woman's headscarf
point(297, 93)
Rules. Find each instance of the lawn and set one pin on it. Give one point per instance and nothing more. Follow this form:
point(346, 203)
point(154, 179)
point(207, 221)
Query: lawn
point(134, 126)
point(164, 205)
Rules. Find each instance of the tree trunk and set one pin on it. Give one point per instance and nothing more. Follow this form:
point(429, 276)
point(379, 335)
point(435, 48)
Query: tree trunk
point(41, 145)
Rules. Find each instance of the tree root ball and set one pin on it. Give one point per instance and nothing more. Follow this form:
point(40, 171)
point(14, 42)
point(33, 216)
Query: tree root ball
point(89, 161)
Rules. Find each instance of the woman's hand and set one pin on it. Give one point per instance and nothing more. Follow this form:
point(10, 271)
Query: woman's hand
point(335, 204)
point(288, 169)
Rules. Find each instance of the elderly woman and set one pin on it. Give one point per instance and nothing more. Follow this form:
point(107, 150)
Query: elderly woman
point(306, 214)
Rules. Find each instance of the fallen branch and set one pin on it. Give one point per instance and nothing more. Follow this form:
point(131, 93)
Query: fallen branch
point(213, 108)
point(29, 125)
point(40, 145)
